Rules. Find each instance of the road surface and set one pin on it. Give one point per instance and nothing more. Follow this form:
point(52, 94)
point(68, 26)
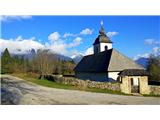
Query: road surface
point(17, 91)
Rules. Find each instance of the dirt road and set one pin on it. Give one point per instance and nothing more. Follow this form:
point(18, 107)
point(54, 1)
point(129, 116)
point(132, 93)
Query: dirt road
point(17, 91)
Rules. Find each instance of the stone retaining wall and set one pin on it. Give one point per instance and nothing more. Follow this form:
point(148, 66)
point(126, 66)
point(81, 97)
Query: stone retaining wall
point(154, 90)
point(83, 83)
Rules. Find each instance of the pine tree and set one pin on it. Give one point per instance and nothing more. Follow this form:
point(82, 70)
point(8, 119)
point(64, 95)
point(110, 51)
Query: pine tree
point(6, 62)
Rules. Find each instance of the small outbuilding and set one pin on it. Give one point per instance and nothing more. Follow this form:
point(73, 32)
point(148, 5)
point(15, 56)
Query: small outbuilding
point(134, 81)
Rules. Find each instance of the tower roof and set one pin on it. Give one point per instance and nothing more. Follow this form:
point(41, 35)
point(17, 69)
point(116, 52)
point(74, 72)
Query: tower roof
point(102, 37)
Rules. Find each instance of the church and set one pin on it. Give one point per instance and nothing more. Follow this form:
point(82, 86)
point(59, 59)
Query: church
point(106, 63)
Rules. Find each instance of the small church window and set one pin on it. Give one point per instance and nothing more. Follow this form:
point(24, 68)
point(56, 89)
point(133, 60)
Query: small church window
point(106, 48)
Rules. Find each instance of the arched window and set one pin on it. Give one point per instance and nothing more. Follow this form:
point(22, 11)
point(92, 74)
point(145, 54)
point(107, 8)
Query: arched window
point(106, 48)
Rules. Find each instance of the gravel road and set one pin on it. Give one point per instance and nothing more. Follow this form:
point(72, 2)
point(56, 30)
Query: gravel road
point(20, 92)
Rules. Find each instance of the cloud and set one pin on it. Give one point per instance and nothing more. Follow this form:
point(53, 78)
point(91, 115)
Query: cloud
point(20, 45)
point(89, 51)
point(77, 41)
point(75, 53)
point(14, 17)
point(86, 31)
point(152, 42)
point(56, 44)
point(69, 35)
point(145, 55)
point(54, 36)
point(111, 34)
point(156, 51)
point(60, 46)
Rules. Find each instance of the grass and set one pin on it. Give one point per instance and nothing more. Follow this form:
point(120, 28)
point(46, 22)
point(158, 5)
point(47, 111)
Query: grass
point(43, 82)
point(47, 83)
point(151, 95)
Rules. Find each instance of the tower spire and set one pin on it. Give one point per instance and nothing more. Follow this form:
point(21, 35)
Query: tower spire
point(101, 22)
point(102, 31)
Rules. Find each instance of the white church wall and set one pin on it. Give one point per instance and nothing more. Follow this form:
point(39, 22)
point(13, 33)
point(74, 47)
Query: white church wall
point(113, 76)
point(102, 46)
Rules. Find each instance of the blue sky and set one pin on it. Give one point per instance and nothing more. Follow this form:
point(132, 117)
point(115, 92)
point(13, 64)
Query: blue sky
point(132, 35)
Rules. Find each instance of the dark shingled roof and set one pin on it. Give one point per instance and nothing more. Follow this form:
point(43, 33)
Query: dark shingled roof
point(102, 39)
point(110, 60)
point(133, 72)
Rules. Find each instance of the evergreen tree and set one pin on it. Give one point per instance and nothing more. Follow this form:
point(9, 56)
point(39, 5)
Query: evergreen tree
point(6, 62)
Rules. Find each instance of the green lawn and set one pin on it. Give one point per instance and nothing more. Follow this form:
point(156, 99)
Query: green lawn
point(44, 82)
point(47, 83)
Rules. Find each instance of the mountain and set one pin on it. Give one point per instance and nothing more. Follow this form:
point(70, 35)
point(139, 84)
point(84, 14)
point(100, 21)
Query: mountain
point(32, 53)
point(142, 61)
point(62, 57)
point(77, 58)
point(29, 54)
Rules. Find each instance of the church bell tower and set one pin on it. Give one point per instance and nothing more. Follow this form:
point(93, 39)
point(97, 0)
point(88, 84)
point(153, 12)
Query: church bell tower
point(102, 42)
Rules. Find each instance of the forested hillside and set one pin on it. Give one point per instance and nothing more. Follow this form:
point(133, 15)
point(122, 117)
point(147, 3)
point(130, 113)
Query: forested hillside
point(43, 62)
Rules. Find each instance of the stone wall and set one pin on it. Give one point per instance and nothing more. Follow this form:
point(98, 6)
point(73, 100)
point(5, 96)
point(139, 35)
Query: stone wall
point(154, 90)
point(144, 88)
point(102, 77)
point(84, 83)
point(126, 86)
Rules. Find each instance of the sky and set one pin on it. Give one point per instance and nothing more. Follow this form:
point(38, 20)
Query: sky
point(133, 36)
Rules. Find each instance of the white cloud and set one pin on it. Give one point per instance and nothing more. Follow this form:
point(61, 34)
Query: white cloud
point(156, 51)
point(152, 42)
point(75, 53)
point(20, 45)
point(86, 31)
point(69, 35)
point(89, 51)
point(111, 34)
point(54, 36)
point(14, 17)
point(145, 55)
point(58, 47)
point(62, 48)
point(77, 41)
